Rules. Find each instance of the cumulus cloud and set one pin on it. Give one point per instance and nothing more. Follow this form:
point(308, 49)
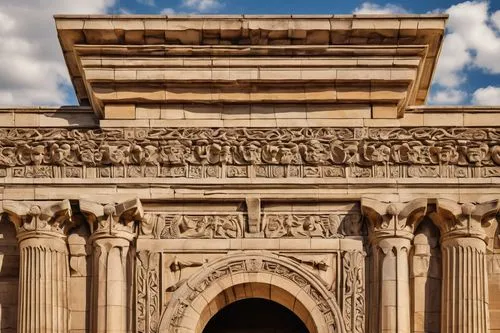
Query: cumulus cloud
point(31, 62)
point(448, 96)
point(472, 42)
point(487, 96)
point(495, 19)
point(202, 6)
point(373, 8)
point(167, 11)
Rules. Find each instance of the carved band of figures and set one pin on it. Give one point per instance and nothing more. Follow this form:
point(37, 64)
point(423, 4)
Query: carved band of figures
point(250, 153)
point(306, 225)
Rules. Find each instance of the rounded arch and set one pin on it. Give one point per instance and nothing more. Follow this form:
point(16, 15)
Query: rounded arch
point(251, 275)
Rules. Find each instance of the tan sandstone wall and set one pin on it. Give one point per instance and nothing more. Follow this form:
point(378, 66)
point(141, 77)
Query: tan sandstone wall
point(9, 274)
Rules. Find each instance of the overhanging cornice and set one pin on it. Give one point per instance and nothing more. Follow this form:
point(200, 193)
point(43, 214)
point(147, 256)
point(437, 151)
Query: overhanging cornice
point(393, 54)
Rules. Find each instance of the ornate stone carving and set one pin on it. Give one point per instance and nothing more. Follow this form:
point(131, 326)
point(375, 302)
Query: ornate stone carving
point(193, 226)
point(264, 263)
point(301, 225)
point(391, 228)
point(463, 245)
point(463, 220)
point(44, 273)
point(250, 152)
point(392, 219)
point(116, 220)
point(112, 227)
point(354, 291)
point(54, 218)
point(148, 292)
point(230, 225)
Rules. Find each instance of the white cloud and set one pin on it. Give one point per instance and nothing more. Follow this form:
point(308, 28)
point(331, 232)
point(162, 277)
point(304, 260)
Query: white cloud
point(472, 42)
point(167, 11)
point(32, 68)
point(487, 96)
point(495, 19)
point(448, 96)
point(471, 21)
point(452, 61)
point(373, 8)
point(150, 3)
point(202, 5)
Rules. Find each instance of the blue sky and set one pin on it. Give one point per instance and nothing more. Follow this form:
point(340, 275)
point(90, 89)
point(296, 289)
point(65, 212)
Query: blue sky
point(468, 71)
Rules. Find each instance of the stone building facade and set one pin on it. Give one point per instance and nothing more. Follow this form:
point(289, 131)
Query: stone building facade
point(275, 160)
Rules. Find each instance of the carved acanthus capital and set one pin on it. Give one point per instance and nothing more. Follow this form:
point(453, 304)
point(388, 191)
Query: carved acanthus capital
point(392, 219)
point(112, 220)
point(43, 219)
point(463, 220)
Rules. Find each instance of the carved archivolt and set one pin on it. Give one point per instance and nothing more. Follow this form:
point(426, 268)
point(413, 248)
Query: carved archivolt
point(249, 153)
point(194, 296)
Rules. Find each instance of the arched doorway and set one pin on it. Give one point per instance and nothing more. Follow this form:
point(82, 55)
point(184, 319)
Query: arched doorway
point(251, 275)
point(255, 315)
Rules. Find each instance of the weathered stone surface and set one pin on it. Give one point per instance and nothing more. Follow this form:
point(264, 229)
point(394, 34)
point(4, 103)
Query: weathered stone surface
point(258, 157)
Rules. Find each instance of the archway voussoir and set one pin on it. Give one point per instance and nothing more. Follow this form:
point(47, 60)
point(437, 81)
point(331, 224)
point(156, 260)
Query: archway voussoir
point(306, 301)
point(318, 319)
point(212, 292)
point(285, 284)
point(190, 319)
point(261, 290)
point(199, 304)
point(239, 291)
point(240, 278)
point(260, 277)
point(282, 297)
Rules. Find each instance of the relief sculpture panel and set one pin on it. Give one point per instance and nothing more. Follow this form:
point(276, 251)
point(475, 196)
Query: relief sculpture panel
point(250, 153)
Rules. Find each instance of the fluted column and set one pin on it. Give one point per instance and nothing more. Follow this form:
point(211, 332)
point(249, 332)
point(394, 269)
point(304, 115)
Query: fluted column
point(113, 229)
point(44, 269)
point(390, 233)
point(464, 306)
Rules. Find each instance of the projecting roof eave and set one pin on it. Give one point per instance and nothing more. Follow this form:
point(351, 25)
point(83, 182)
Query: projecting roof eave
point(258, 30)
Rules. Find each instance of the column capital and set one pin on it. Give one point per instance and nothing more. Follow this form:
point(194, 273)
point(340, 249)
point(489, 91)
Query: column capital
point(39, 219)
point(457, 220)
point(392, 220)
point(112, 220)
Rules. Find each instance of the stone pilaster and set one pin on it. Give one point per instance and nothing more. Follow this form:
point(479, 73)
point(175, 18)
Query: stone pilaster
point(113, 229)
point(44, 270)
point(464, 306)
point(390, 233)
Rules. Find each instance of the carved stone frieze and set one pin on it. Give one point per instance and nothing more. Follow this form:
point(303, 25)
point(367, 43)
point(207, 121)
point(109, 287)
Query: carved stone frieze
point(250, 152)
point(231, 225)
point(306, 225)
